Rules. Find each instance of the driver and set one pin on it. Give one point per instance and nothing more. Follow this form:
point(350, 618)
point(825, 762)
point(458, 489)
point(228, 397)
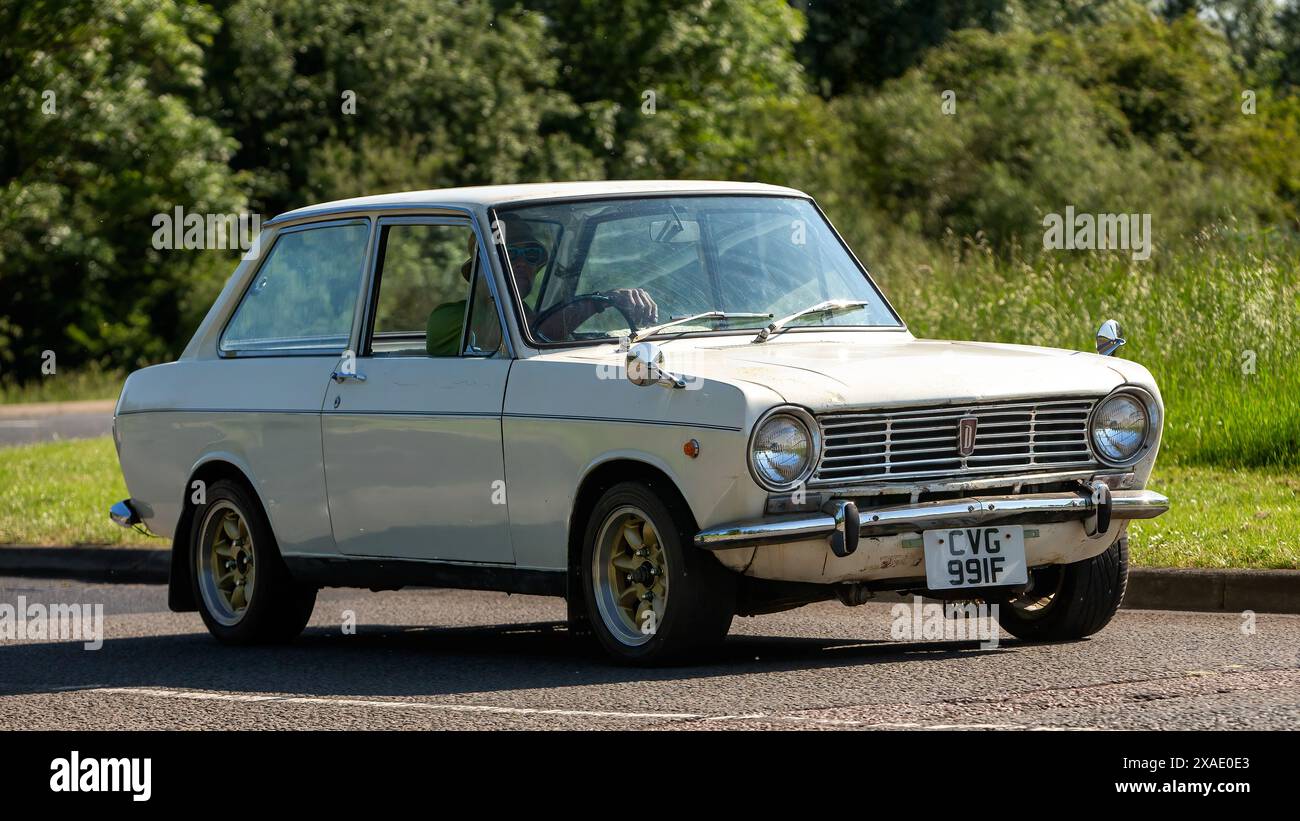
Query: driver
point(527, 255)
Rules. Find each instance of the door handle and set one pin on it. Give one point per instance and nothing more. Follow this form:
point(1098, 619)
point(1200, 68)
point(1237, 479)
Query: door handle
point(339, 376)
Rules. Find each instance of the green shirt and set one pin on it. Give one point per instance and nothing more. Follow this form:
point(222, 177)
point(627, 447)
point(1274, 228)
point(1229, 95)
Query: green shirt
point(442, 336)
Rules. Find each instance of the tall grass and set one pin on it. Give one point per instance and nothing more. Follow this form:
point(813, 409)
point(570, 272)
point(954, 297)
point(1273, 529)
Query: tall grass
point(1217, 321)
point(64, 385)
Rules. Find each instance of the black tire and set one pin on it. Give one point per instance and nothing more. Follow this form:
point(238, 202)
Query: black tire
point(1084, 597)
point(700, 598)
point(278, 608)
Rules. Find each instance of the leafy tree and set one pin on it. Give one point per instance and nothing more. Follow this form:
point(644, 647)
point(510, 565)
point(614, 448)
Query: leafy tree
point(860, 45)
point(98, 137)
point(857, 46)
point(672, 87)
point(1139, 117)
point(332, 98)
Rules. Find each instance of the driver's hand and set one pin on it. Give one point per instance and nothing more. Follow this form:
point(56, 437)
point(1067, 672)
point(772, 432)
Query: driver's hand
point(637, 303)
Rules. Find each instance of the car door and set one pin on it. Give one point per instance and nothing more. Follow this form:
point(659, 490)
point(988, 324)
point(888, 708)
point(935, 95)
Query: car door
point(411, 428)
point(261, 399)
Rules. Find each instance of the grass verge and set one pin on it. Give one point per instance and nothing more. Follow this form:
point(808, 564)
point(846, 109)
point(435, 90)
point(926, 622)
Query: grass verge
point(64, 386)
point(58, 494)
point(1221, 518)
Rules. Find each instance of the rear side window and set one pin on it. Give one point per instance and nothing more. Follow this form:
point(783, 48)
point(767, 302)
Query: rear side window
point(304, 295)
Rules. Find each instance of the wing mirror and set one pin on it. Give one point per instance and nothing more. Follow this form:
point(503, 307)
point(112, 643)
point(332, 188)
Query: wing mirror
point(645, 362)
point(1108, 338)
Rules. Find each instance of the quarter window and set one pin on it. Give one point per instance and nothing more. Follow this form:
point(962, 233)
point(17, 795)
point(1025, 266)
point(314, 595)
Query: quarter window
point(304, 295)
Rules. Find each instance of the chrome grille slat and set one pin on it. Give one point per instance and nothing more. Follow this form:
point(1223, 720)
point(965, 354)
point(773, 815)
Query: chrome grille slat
point(921, 443)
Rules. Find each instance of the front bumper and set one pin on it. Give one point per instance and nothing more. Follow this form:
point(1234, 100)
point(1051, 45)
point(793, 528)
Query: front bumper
point(841, 523)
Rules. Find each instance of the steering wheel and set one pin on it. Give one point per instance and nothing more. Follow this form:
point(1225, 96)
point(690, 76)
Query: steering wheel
point(607, 301)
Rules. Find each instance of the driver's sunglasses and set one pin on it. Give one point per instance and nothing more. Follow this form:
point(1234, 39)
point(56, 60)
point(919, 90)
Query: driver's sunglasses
point(533, 253)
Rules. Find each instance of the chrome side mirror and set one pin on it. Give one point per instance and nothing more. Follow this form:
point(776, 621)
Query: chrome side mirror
point(1108, 338)
point(645, 362)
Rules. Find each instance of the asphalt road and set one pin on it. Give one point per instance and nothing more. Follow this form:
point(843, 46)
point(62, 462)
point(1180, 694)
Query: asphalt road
point(25, 424)
point(424, 659)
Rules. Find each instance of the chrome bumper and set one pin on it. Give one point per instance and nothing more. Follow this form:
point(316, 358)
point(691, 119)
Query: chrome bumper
point(841, 522)
point(123, 513)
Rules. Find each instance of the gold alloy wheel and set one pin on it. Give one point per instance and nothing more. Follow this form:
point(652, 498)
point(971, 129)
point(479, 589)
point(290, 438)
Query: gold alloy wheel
point(630, 573)
point(1039, 596)
point(227, 568)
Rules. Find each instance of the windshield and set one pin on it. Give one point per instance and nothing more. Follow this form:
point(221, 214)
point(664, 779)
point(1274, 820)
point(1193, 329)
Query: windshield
point(597, 269)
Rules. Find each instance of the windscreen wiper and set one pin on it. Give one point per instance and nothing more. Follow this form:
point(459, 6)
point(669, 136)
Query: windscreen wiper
point(829, 307)
point(682, 320)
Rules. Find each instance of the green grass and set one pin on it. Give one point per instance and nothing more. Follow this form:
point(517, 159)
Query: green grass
point(64, 386)
point(59, 493)
point(1221, 518)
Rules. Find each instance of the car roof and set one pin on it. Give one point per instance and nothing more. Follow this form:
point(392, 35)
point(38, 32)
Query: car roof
point(492, 195)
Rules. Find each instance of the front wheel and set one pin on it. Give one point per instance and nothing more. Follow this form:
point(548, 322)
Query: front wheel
point(1069, 601)
point(651, 595)
point(244, 592)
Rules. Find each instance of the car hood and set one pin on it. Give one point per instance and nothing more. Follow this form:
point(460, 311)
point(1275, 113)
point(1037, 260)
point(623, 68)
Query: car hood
point(829, 373)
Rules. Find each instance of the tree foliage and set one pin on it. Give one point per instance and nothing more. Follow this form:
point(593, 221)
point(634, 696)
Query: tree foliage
point(98, 136)
point(219, 106)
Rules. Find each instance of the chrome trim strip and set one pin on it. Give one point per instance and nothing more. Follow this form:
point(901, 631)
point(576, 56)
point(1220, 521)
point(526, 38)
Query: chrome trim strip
point(548, 417)
point(311, 411)
point(1119, 481)
point(363, 212)
point(558, 416)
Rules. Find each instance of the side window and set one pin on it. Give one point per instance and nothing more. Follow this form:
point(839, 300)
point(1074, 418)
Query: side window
point(304, 295)
point(424, 273)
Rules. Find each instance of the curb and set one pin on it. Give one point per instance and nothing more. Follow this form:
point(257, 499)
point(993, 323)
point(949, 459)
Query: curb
point(1214, 591)
point(1149, 588)
point(121, 565)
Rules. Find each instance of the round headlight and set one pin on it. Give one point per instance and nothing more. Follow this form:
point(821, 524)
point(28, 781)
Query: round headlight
point(1119, 428)
point(782, 451)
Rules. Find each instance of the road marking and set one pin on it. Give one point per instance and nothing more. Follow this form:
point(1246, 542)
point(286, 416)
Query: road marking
point(197, 695)
point(412, 705)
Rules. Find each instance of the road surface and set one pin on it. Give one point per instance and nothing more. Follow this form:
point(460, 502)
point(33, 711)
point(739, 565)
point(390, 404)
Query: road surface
point(25, 424)
point(425, 659)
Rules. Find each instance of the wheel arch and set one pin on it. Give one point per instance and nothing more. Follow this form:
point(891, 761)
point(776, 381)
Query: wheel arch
point(594, 484)
point(211, 468)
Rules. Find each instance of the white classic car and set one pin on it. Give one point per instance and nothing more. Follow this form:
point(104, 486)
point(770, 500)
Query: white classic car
point(668, 402)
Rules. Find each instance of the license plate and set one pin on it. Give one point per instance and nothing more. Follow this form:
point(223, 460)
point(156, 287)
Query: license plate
point(974, 557)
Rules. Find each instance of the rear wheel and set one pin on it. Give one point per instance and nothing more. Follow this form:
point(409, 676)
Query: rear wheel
point(244, 592)
point(651, 595)
point(1069, 601)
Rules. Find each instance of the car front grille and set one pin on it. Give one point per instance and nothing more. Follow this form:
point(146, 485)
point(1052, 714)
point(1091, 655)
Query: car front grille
point(921, 443)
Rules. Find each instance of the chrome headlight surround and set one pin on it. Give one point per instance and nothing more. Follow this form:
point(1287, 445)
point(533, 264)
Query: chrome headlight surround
point(804, 421)
point(1151, 410)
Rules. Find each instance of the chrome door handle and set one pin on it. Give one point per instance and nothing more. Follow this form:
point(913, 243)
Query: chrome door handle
point(339, 376)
